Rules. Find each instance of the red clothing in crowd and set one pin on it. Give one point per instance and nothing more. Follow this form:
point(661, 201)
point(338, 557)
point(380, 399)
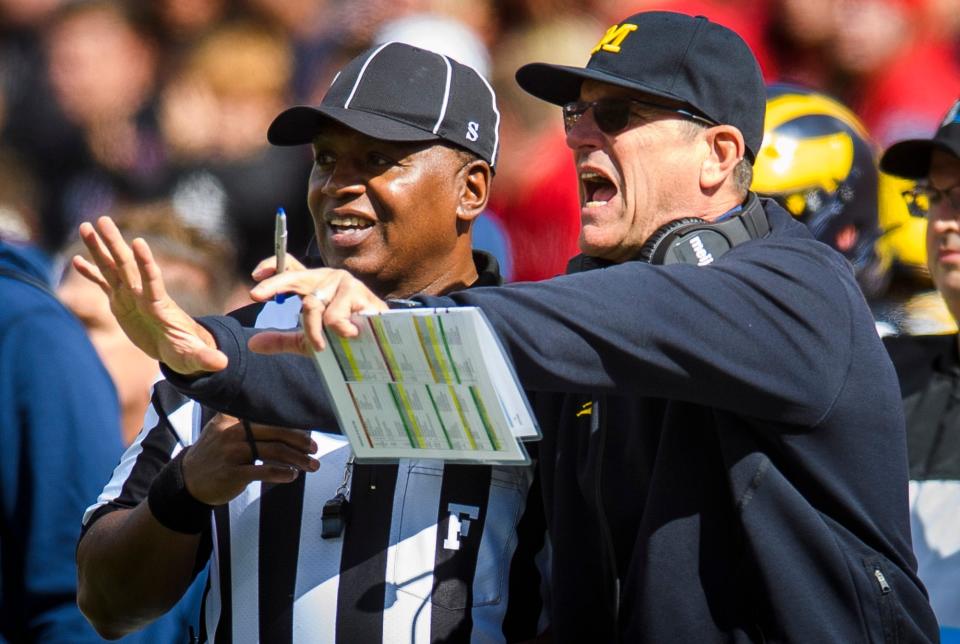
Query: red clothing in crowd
point(542, 213)
point(907, 98)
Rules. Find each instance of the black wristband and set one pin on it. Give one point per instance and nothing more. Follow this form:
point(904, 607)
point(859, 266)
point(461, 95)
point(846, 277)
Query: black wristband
point(173, 505)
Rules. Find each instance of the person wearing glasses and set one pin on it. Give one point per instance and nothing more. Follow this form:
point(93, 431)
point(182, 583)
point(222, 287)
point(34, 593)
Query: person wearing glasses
point(724, 455)
point(929, 370)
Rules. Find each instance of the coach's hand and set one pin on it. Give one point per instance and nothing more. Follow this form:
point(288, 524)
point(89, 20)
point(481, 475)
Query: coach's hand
point(329, 297)
point(228, 456)
point(132, 280)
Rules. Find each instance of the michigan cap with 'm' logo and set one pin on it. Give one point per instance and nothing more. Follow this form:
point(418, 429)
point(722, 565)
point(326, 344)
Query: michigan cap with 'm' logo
point(683, 59)
point(397, 92)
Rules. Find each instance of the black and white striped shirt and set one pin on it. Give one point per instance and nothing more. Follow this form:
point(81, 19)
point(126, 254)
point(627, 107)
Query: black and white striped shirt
point(430, 552)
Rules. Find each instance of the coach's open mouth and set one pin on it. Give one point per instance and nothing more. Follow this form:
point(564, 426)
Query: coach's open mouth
point(597, 189)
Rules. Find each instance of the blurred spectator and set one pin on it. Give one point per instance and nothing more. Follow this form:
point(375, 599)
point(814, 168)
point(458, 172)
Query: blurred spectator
point(940, 20)
point(441, 34)
point(19, 217)
point(534, 193)
point(213, 114)
point(890, 68)
point(27, 13)
point(522, 14)
point(903, 233)
point(748, 18)
point(79, 94)
point(911, 305)
point(102, 146)
point(59, 427)
point(314, 37)
point(480, 16)
point(22, 73)
point(197, 272)
point(929, 371)
point(799, 35)
point(819, 163)
point(303, 20)
point(53, 453)
point(183, 21)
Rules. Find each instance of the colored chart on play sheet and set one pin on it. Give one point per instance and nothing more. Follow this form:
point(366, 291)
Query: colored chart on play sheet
point(427, 383)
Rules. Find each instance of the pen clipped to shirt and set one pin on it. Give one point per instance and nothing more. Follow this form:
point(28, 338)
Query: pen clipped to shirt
point(280, 247)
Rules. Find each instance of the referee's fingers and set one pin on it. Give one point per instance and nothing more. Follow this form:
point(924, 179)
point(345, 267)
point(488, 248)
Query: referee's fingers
point(280, 454)
point(269, 473)
point(298, 439)
point(222, 421)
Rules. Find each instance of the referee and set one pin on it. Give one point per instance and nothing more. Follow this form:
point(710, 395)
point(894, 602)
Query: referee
point(426, 552)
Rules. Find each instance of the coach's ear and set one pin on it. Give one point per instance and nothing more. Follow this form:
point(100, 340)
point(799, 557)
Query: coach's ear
point(474, 179)
point(725, 148)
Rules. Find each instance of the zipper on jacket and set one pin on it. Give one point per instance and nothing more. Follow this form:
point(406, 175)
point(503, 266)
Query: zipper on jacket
point(599, 425)
point(881, 581)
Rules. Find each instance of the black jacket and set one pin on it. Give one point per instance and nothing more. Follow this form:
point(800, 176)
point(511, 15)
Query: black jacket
point(729, 445)
point(726, 441)
point(929, 371)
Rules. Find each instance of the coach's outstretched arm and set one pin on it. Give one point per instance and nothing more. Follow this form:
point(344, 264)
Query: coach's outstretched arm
point(135, 563)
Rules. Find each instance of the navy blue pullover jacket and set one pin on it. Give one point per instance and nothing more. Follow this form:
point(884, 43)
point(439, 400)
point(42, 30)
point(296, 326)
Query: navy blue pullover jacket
point(60, 432)
point(732, 434)
point(724, 455)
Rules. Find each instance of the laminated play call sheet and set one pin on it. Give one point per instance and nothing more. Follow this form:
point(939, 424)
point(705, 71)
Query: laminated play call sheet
point(427, 383)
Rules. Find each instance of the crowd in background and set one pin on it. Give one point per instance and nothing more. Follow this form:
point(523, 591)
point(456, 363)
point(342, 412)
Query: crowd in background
point(108, 103)
point(152, 110)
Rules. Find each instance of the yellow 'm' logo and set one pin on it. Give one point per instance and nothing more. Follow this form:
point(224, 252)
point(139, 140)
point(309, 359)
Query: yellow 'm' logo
point(614, 37)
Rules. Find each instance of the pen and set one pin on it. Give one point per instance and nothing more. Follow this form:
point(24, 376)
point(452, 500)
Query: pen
point(280, 246)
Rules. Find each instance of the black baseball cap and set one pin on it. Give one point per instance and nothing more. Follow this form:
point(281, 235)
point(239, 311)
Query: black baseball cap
point(674, 56)
point(911, 159)
point(397, 92)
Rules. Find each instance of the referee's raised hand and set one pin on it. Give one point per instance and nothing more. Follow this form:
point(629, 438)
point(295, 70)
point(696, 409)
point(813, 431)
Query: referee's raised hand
point(131, 278)
point(231, 453)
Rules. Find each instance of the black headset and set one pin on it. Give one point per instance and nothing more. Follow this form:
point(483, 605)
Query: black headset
point(696, 241)
point(692, 240)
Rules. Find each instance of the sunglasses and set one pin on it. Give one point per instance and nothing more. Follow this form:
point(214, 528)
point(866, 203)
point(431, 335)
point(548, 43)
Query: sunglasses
point(612, 115)
point(922, 196)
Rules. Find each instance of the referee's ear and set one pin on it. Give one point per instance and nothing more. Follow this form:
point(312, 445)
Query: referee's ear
point(473, 182)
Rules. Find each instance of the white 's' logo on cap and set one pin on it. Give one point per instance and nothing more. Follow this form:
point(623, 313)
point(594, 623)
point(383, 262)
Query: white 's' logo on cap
point(473, 131)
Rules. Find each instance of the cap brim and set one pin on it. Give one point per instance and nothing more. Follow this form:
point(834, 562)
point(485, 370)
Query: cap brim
point(300, 124)
point(911, 159)
point(560, 84)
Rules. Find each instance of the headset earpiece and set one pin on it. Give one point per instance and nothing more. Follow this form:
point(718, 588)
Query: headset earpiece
point(658, 240)
point(692, 240)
